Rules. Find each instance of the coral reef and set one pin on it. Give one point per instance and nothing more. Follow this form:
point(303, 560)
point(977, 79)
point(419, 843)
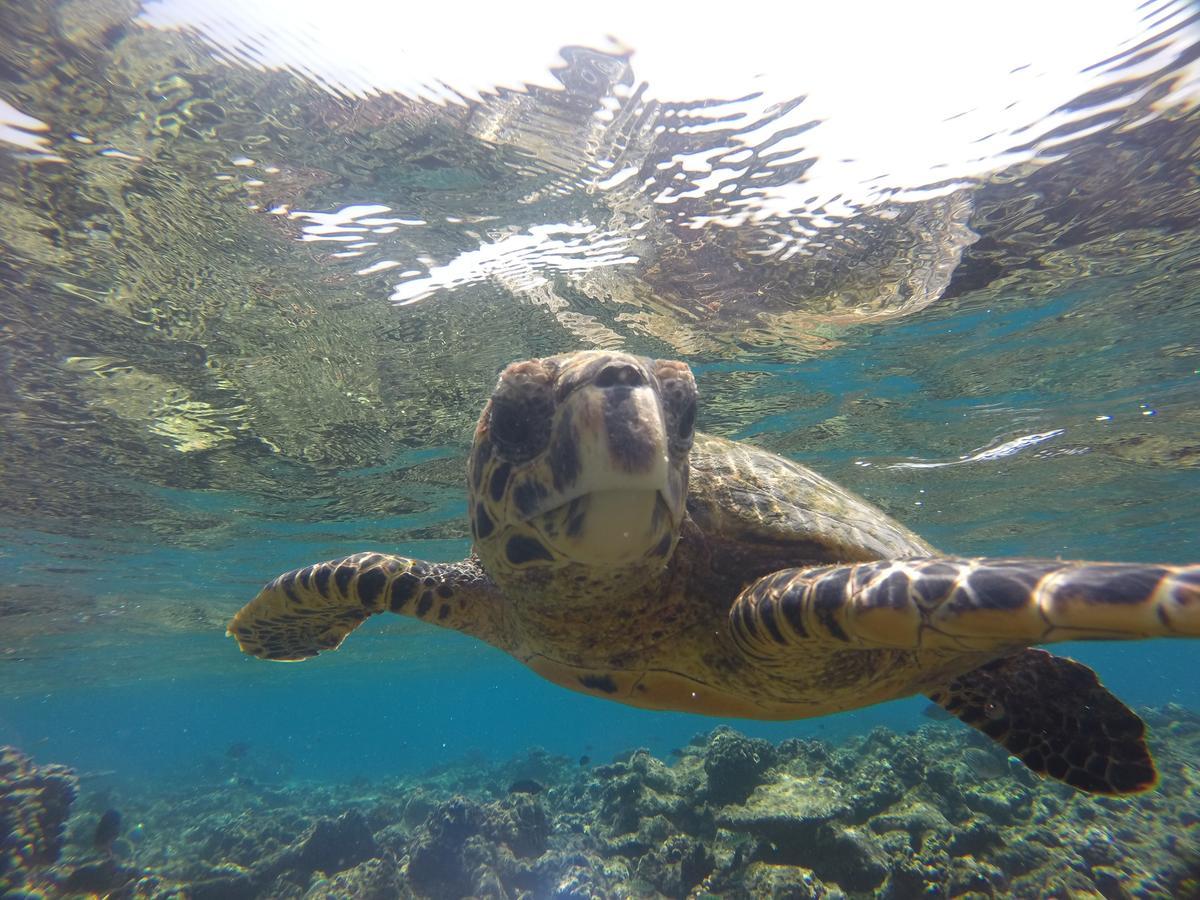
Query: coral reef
point(34, 804)
point(735, 765)
point(934, 813)
point(329, 845)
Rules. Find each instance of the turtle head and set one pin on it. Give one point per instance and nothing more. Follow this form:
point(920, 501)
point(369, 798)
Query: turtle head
point(579, 470)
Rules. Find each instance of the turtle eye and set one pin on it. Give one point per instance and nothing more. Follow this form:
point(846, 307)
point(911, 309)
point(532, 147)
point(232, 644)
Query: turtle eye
point(508, 426)
point(520, 426)
point(687, 422)
point(677, 388)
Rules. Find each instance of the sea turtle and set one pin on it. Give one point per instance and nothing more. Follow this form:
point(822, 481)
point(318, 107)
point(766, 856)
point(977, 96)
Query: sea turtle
point(621, 554)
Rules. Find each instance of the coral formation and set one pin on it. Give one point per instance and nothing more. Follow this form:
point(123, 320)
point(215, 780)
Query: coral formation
point(34, 804)
point(884, 815)
point(735, 764)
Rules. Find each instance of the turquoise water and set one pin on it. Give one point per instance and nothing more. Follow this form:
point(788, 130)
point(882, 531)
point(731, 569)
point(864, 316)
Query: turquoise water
point(258, 278)
point(118, 693)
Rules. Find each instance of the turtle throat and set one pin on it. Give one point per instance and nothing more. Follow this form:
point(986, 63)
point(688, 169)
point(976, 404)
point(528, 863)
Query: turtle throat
point(611, 527)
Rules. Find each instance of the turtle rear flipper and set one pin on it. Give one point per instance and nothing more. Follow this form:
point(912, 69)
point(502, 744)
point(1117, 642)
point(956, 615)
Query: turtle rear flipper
point(1054, 715)
point(308, 610)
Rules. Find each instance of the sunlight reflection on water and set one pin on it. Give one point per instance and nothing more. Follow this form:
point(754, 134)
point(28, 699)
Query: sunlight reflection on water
point(788, 132)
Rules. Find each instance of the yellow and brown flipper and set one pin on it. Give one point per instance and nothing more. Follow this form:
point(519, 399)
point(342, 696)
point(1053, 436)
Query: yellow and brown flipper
point(308, 610)
point(1054, 715)
point(948, 603)
point(1050, 712)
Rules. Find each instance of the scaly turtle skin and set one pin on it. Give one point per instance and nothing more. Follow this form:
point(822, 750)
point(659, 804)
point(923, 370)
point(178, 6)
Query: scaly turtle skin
point(620, 554)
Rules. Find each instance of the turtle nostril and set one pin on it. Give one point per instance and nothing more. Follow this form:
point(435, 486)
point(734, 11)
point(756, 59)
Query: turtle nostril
point(620, 374)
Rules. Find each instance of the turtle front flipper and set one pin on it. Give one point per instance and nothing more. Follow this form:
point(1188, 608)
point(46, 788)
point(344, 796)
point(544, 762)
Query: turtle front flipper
point(308, 610)
point(968, 605)
point(1054, 715)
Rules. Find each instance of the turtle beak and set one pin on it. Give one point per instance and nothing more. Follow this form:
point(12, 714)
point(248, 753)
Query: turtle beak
point(621, 438)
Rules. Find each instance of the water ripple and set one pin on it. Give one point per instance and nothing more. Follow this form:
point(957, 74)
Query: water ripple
point(985, 454)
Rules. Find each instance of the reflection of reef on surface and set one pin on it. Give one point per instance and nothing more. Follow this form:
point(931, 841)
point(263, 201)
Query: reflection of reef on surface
point(166, 331)
point(932, 814)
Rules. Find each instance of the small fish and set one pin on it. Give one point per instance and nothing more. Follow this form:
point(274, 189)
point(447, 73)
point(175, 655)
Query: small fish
point(676, 752)
point(525, 786)
point(238, 749)
point(107, 830)
point(937, 713)
point(984, 764)
point(585, 760)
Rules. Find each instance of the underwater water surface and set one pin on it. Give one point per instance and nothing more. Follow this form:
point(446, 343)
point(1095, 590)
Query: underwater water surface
point(261, 264)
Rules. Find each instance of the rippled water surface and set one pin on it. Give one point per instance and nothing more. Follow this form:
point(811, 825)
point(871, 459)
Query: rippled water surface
point(261, 264)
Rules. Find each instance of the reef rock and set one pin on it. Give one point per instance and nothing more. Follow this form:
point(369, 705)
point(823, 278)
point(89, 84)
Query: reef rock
point(332, 845)
point(34, 804)
point(798, 818)
point(436, 864)
point(474, 849)
point(787, 811)
point(640, 788)
point(375, 879)
point(884, 815)
point(329, 845)
point(915, 817)
point(105, 878)
point(876, 787)
point(735, 765)
point(784, 883)
point(580, 877)
point(677, 865)
point(850, 857)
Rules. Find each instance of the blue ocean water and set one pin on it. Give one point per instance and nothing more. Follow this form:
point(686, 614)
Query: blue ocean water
point(378, 717)
point(404, 696)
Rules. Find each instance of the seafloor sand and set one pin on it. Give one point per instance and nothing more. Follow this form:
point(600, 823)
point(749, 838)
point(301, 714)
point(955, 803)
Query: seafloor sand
point(936, 813)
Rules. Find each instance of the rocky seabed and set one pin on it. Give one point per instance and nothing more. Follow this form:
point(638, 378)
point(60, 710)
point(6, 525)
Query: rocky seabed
point(936, 813)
